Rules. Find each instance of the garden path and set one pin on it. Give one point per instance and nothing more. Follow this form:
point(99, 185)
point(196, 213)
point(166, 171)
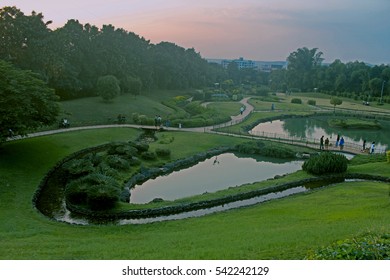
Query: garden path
point(207, 129)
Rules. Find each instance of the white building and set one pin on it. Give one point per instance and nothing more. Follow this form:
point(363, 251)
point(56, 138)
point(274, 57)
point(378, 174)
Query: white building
point(266, 66)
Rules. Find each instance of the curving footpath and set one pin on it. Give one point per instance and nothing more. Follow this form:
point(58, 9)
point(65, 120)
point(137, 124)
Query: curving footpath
point(206, 129)
point(234, 120)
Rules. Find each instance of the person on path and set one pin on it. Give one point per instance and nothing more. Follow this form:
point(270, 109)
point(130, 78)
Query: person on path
point(242, 110)
point(364, 145)
point(337, 140)
point(341, 143)
point(327, 143)
point(322, 143)
point(372, 149)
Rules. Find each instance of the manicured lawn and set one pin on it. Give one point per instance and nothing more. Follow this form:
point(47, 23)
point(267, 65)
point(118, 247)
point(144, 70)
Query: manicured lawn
point(283, 229)
point(93, 110)
point(226, 108)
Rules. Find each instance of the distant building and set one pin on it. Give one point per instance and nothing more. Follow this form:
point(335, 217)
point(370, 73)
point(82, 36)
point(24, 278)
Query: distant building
point(241, 63)
point(265, 66)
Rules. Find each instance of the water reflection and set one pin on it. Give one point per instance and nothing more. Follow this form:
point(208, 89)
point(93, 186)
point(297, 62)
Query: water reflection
point(314, 128)
point(226, 170)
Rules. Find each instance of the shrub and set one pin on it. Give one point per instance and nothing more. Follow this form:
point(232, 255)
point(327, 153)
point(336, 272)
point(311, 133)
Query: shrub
point(326, 163)
point(311, 102)
point(96, 191)
point(369, 246)
point(163, 152)
point(103, 197)
point(266, 149)
point(94, 158)
point(117, 162)
point(166, 139)
point(123, 149)
point(79, 167)
point(296, 101)
point(148, 155)
point(76, 192)
point(107, 170)
point(140, 146)
point(277, 151)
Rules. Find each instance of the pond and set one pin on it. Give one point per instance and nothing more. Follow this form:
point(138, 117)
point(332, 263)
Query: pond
point(315, 127)
point(213, 174)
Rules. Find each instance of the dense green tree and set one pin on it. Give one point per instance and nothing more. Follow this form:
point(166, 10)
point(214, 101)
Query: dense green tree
point(108, 87)
point(335, 101)
point(26, 102)
point(72, 58)
point(132, 85)
point(375, 86)
point(301, 68)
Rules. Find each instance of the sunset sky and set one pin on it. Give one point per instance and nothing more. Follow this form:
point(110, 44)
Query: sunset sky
point(254, 29)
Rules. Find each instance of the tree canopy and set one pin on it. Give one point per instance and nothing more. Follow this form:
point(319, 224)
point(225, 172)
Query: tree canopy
point(26, 102)
point(108, 87)
point(72, 58)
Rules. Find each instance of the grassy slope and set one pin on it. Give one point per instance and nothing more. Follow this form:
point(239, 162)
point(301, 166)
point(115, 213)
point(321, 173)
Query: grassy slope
point(93, 110)
point(284, 229)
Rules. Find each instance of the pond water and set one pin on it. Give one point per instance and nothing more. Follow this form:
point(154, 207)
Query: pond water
point(221, 172)
point(314, 128)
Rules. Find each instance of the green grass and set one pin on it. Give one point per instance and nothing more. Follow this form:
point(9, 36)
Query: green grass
point(94, 110)
point(287, 228)
point(283, 229)
point(226, 108)
point(283, 104)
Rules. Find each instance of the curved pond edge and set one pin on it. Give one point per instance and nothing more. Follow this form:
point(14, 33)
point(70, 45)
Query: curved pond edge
point(187, 207)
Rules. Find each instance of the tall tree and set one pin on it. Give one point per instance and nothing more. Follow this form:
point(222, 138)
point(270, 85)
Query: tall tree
point(26, 102)
point(302, 66)
point(108, 87)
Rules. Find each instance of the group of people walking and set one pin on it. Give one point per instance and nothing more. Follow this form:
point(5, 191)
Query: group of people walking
point(340, 142)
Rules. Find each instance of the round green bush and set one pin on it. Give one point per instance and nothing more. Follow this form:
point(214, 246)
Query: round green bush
point(296, 101)
point(326, 163)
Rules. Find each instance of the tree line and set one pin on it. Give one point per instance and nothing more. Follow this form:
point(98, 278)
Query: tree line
point(306, 72)
point(72, 58)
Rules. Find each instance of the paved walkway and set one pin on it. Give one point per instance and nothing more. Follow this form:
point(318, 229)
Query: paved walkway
point(207, 129)
point(234, 120)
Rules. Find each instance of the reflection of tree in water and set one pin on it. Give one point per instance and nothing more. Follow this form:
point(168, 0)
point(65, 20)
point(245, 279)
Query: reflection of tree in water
point(318, 126)
point(296, 127)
